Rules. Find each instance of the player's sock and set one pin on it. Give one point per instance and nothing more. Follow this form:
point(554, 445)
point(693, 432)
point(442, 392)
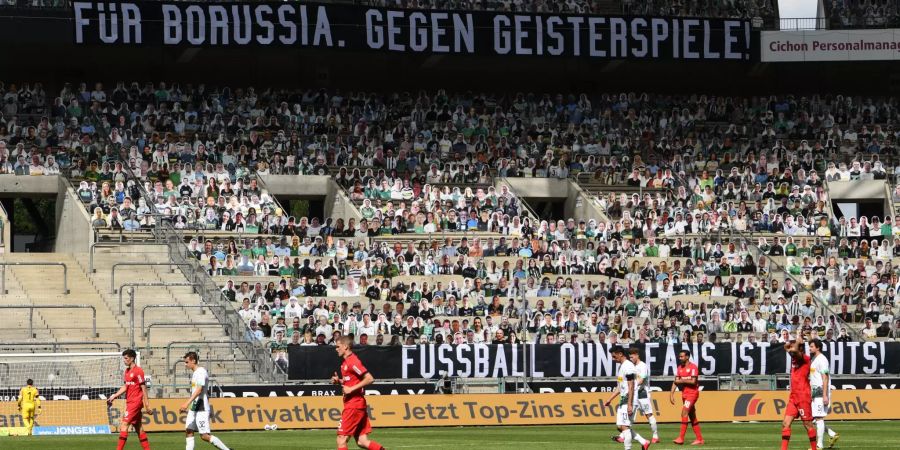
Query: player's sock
point(375, 446)
point(189, 443)
point(696, 427)
point(684, 424)
point(145, 444)
point(123, 437)
point(343, 448)
point(218, 443)
point(820, 432)
point(812, 438)
point(785, 438)
point(652, 420)
point(638, 437)
point(830, 431)
point(626, 434)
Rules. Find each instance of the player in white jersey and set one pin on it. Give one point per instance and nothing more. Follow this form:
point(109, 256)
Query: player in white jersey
point(642, 389)
point(197, 406)
point(626, 400)
point(820, 383)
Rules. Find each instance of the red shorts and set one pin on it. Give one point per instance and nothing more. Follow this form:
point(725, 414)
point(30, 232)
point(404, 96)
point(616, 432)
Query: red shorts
point(689, 402)
point(133, 414)
point(354, 422)
point(799, 407)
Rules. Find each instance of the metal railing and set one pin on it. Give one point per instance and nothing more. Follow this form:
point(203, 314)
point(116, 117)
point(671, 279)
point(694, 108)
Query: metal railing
point(797, 23)
point(173, 369)
point(5, 231)
point(829, 205)
point(94, 246)
point(523, 205)
point(149, 284)
point(62, 346)
point(182, 325)
point(172, 306)
point(344, 199)
point(131, 301)
point(31, 309)
point(889, 197)
point(178, 253)
point(3, 273)
point(210, 292)
point(195, 345)
point(112, 279)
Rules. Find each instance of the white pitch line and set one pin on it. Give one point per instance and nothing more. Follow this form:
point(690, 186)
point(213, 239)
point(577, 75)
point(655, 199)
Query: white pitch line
point(512, 445)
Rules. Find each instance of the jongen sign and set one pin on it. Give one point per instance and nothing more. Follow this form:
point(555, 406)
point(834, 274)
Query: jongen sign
point(584, 360)
point(312, 25)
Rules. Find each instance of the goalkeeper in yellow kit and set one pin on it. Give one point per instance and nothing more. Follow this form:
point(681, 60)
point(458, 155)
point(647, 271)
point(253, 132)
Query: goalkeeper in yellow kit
point(29, 405)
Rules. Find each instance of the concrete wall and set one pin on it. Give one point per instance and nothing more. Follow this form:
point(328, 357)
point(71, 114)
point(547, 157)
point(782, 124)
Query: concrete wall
point(74, 233)
point(6, 244)
point(288, 187)
point(14, 186)
point(578, 204)
point(339, 205)
point(538, 187)
point(856, 190)
point(298, 186)
point(853, 191)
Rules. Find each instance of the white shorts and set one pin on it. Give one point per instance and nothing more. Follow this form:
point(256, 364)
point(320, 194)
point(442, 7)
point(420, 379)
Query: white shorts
point(623, 419)
point(819, 410)
point(644, 405)
point(197, 421)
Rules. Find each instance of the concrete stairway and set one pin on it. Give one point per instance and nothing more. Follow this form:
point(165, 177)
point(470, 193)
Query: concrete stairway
point(43, 285)
point(183, 305)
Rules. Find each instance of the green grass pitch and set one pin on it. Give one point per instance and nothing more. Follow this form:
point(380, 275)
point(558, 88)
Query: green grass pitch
point(719, 436)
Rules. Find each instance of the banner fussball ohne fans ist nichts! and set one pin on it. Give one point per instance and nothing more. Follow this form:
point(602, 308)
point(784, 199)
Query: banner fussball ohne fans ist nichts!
point(584, 360)
point(359, 28)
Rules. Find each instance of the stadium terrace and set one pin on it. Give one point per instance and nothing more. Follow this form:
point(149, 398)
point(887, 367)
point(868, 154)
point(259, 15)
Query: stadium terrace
point(449, 223)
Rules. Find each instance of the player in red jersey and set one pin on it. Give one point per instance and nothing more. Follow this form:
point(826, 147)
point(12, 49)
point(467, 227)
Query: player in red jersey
point(355, 418)
point(800, 400)
point(687, 378)
point(136, 400)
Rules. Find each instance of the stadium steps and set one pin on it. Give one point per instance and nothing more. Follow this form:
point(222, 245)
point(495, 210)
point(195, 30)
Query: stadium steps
point(14, 327)
point(144, 296)
point(43, 286)
point(477, 386)
point(228, 364)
